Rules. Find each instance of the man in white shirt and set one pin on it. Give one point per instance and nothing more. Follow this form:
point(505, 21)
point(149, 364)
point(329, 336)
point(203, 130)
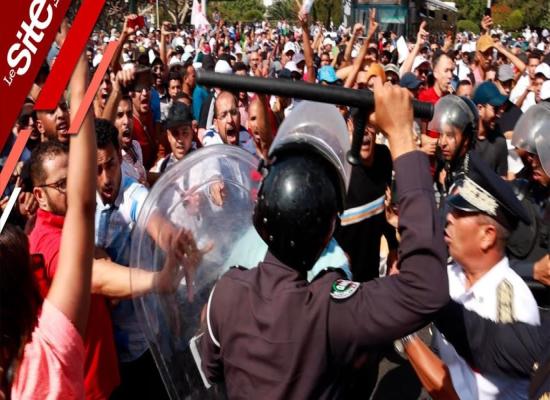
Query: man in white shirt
point(484, 211)
point(523, 94)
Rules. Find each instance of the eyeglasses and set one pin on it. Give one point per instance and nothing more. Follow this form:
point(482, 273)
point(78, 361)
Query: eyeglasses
point(60, 185)
point(233, 112)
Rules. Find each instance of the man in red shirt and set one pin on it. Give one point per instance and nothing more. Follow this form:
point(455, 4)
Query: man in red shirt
point(144, 127)
point(49, 163)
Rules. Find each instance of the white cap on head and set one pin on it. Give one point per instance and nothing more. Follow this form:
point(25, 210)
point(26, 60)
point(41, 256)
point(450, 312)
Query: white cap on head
point(543, 69)
point(289, 46)
point(418, 61)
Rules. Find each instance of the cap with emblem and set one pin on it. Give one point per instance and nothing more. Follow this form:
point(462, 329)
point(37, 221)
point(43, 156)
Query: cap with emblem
point(178, 114)
point(481, 190)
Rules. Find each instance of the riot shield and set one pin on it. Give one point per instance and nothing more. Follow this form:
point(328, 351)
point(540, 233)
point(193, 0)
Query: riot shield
point(209, 196)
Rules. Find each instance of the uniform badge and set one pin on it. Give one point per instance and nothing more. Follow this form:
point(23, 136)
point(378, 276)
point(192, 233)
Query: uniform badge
point(343, 289)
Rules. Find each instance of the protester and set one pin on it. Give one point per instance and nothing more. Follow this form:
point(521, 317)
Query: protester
point(43, 352)
point(159, 115)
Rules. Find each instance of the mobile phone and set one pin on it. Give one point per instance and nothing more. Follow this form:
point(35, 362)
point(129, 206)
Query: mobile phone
point(488, 9)
point(136, 23)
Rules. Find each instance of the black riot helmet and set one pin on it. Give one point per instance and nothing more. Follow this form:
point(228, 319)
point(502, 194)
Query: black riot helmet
point(304, 185)
point(297, 208)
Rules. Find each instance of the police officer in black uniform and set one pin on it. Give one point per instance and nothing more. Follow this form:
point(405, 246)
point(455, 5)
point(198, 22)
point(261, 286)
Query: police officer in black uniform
point(529, 244)
point(456, 120)
point(270, 334)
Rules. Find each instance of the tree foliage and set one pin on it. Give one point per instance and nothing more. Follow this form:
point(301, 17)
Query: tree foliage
point(467, 25)
point(327, 11)
point(239, 10)
point(282, 9)
point(509, 14)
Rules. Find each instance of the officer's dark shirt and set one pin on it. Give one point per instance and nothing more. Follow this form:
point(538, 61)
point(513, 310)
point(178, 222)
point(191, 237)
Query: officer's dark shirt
point(361, 240)
point(282, 338)
point(494, 152)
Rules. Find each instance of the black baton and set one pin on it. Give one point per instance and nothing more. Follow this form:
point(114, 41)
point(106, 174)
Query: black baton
point(286, 88)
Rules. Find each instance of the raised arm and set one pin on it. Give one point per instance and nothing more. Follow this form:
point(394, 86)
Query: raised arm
point(358, 63)
point(126, 32)
point(420, 40)
point(357, 30)
point(389, 308)
point(123, 78)
point(164, 35)
point(308, 51)
point(520, 65)
point(70, 289)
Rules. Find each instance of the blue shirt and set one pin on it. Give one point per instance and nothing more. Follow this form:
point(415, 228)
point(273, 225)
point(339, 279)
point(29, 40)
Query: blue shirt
point(113, 232)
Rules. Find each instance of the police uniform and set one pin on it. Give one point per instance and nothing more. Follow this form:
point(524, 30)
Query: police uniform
point(516, 349)
point(499, 295)
point(271, 335)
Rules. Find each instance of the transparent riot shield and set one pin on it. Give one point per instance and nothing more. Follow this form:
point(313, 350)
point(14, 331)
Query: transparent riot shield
point(204, 206)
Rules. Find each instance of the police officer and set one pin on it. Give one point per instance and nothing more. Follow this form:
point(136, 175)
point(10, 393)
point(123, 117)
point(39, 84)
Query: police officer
point(515, 349)
point(529, 244)
point(456, 121)
point(272, 335)
point(484, 210)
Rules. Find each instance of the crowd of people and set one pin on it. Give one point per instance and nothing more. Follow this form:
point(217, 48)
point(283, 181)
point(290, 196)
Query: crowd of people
point(474, 168)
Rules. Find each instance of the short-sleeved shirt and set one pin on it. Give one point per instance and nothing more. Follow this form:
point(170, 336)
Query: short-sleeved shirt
point(52, 366)
point(113, 231)
point(100, 362)
point(483, 298)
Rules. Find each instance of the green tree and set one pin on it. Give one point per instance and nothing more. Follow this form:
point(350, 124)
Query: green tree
point(282, 9)
point(471, 9)
point(239, 10)
point(514, 21)
point(467, 25)
point(327, 11)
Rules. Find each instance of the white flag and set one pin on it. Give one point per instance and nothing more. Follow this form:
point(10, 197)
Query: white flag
point(198, 16)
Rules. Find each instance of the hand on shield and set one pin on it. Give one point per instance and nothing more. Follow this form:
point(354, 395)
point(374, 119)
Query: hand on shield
point(218, 193)
point(182, 260)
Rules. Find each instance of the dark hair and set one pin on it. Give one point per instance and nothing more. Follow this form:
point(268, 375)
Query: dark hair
point(44, 150)
point(240, 66)
point(128, 98)
point(371, 51)
point(535, 53)
point(106, 134)
point(174, 76)
point(19, 302)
